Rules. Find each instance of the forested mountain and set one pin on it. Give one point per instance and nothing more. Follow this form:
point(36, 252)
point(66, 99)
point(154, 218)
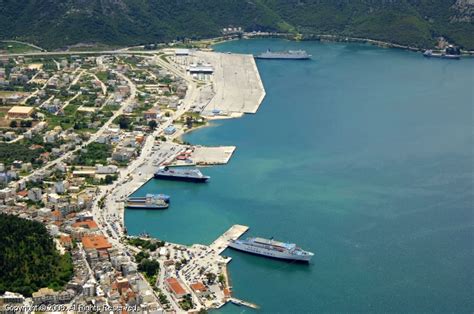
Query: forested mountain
point(55, 23)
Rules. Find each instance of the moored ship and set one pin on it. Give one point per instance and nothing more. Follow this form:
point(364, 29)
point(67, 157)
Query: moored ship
point(284, 55)
point(150, 201)
point(175, 174)
point(272, 248)
point(450, 52)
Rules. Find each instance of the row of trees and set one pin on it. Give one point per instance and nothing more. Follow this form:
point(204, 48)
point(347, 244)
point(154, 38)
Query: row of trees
point(23, 124)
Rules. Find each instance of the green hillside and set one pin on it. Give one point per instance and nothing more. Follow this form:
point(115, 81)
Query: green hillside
point(29, 259)
point(54, 24)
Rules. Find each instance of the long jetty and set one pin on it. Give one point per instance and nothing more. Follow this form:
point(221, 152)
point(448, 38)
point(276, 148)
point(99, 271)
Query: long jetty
point(244, 303)
point(221, 243)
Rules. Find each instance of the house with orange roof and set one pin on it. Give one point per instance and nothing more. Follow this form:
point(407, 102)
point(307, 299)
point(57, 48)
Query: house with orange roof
point(23, 193)
point(95, 242)
point(200, 289)
point(86, 224)
point(66, 241)
point(175, 287)
point(56, 215)
point(227, 293)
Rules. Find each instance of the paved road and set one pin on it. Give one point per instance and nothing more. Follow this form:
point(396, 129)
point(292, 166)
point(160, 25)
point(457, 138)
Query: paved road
point(93, 138)
point(79, 53)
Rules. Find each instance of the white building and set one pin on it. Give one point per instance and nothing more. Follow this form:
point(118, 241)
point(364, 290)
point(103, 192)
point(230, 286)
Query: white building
point(35, 194)
point(100, 169)
point(44, 212)
point(89, 289)
point(11, 297)
point(59, 187)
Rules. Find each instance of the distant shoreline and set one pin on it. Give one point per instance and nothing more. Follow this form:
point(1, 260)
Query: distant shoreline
point(330, 38)
point(209, 42)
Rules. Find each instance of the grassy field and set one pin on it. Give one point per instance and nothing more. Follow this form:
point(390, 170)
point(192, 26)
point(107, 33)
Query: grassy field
point(13, 47)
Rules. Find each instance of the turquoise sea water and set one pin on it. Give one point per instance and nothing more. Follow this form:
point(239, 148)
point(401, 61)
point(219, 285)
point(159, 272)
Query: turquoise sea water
point(362, 155)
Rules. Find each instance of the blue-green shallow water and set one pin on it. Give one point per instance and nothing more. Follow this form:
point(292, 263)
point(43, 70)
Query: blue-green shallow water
point(362, 155)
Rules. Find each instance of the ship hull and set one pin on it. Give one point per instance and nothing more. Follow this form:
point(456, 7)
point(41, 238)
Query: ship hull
point(269, 253)
point(442, 56)
point(282, 58)
point(180, 178)
point(139, 206)
point(143, 199)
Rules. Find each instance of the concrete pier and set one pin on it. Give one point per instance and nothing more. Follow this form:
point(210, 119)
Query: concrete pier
point(207, 156)
point(221, 243)
point(244, 303)
point(236, 81)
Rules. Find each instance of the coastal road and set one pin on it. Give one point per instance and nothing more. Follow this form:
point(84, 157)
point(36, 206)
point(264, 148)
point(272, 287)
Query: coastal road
point(130, 178)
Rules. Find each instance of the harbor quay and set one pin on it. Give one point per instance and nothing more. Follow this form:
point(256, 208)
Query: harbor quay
point(221, 243)
point(233, 84)
point(204, 156)
point(197, 271)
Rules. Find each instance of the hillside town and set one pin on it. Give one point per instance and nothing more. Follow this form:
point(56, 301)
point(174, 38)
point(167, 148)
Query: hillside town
point(74, 127)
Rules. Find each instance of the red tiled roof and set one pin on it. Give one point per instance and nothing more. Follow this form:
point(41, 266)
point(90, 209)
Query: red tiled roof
point(175, 286)
point(88, 224)
point(198, 286)
point(71, 215)
point(65, 239)
point(98, 242)
point(22, 193)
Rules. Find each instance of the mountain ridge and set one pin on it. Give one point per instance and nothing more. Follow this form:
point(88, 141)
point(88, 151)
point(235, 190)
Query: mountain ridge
point(55, 24)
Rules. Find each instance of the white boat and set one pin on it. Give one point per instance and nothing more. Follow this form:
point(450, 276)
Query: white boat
point(272, 248)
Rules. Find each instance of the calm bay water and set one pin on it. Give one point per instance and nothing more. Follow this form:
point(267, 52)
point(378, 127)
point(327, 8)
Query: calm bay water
point(362, 155)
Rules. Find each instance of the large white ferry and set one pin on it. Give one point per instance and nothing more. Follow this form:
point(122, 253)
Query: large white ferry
point(272, 248)
point(284, 55)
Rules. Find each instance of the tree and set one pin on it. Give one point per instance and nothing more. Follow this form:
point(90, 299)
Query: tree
point(149, 267)
point(109, 179)
point(189, 122)
point(221, 279)
point(163, 298)
point(211, 277)
point(152, 124)
point(141, 255)
point(25, 123)
point(124, 122)
point(13, 124)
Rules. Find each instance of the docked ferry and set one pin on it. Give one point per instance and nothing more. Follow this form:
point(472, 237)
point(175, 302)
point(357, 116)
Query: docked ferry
point(150, 201)
point(272, 248)
point(284, 55)
point(450, 52)
point(176, 174)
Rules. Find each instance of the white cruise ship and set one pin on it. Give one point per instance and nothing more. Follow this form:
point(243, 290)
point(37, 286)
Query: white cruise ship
point(272, 248)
